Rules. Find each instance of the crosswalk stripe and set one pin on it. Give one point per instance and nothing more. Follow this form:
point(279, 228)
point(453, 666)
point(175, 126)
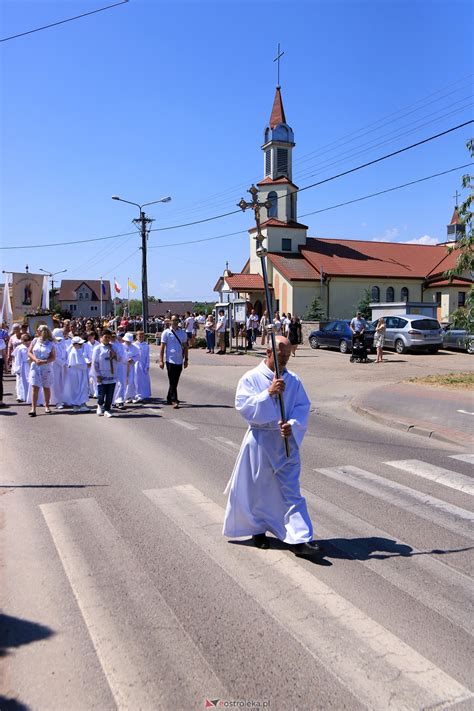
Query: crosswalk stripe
point(414, 572)
point(220, 446)
point(184, 424)
point(438, 474)
point(379, 666)
point(229, 443)
point(109, 588)
point(469, 458)
point(453, 518)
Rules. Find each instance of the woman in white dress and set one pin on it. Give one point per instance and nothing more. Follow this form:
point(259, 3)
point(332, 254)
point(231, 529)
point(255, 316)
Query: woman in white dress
point(42, 353)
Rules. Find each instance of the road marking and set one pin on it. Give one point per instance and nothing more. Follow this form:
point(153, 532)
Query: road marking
point(379, 667)
point(415, 572)
point(184, 424)
point(449, 516)
point(229, 443)
point(469, 458)
point(110, 589)
point(220, 446)
point(438, 474)
point(465, 412)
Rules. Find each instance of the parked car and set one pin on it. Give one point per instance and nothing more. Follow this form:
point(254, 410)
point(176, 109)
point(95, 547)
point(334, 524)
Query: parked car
point(337, 334)
point(458, 339)
point(412, 332)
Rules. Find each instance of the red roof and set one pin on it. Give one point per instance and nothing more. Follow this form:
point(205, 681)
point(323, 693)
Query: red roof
point(278, 112)
point(245, 282)
point(294, 267)
point(278, 181)
point(273, 222)
point(458, 281)
point(455, 220)
point(69, 287)
point(378, 259)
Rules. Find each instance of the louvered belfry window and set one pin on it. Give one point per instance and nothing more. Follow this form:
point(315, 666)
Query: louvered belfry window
point(282, 161)
point(268, 162)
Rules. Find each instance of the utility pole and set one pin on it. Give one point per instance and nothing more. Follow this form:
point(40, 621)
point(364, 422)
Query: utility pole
point(143, 221)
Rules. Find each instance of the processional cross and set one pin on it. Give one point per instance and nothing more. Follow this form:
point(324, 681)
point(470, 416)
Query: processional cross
point(262, 252)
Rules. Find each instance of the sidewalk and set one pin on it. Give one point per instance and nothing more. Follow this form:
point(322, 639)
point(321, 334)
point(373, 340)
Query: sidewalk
point(439, 413)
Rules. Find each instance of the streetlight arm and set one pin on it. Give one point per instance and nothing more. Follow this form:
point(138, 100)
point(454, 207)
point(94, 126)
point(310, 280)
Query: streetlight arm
point(165, 199)
point(116, 197)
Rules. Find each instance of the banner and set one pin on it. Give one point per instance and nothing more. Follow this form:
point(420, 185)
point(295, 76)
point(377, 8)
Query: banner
point(27, 292)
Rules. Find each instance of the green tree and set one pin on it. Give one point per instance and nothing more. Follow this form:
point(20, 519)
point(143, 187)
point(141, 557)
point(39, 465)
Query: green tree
point(314, 311)
point(464, 247)
point(364, 307)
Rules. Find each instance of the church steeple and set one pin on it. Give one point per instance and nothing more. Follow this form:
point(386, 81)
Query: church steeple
point(278, 112)
point(278, 142)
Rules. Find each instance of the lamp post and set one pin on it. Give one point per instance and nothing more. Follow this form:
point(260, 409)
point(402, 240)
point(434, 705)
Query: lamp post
point(51, 276)
point(143, 221)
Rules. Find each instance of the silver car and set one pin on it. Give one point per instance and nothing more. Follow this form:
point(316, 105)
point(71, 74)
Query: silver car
point(458, 339)
point(412, 332)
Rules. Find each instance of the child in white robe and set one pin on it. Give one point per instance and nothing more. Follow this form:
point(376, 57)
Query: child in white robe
point(132, 354)
point(59, 369)
point(120, 372)
point(142, 368)
point(76, 391)
point(21, 368)
point(89, 346)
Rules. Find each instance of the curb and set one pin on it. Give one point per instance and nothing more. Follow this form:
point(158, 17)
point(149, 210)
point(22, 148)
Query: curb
point(405, 427)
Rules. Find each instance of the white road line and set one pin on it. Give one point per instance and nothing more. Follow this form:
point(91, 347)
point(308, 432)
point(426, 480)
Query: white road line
point(414, 572)
point(220, 446)
point(469, 458)
point(110, 588)
point(465, 412)
point(449, 516)
point(184, 424)
point(380, 670)
point(438, 474)
point(229, 443)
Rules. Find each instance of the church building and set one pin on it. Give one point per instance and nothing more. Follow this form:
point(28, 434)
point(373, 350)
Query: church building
point(336, 271)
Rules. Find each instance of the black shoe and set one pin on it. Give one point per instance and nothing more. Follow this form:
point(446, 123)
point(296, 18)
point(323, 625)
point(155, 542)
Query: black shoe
point(260, 541)
point(307, 549)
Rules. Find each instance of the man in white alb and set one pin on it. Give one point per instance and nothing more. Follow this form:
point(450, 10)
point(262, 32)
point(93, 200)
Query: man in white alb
point(264, 488)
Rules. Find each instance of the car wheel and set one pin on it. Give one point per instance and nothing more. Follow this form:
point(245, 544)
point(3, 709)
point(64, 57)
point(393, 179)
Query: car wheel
point(313, 342)
point(343, 347)
point(470, 346)
point(400, 346)
point(433, 349)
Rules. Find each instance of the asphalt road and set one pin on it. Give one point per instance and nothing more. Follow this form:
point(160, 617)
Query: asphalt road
point(120, 592)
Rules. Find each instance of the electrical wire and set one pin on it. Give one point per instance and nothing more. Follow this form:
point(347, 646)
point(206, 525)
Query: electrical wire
point(234, 212)
point(62, 22)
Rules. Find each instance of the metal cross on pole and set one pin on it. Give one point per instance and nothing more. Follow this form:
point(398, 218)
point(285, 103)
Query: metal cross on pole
point(262, 253)
point(277, 59)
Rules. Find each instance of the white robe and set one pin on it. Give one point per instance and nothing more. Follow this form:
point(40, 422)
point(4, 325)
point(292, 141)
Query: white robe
point(264, 488)
point(21, 368)
point(142, 367)
point(59, 373)
point(88, 349)
point(120, 368)
point(131, 354)
point(76, 389)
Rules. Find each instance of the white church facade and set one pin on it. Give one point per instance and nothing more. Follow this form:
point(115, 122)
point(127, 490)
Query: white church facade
point(336, 271)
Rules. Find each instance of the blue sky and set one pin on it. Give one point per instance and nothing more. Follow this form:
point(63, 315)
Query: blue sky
point(156, 98)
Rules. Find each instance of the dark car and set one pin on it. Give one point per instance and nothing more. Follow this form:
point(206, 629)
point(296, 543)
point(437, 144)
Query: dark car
point(458, 339)
point(337, 334)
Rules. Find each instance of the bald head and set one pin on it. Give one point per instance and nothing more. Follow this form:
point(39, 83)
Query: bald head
point(283, 347)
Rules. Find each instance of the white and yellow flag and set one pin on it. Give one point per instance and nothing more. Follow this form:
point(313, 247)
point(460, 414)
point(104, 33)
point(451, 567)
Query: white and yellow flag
point(131, 285)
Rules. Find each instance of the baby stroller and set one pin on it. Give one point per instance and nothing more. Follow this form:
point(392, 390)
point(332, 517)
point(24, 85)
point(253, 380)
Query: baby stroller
point(359, 349)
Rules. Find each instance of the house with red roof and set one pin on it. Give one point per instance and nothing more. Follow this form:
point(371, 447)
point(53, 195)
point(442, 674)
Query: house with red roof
point(337, 271)
point(85, 298)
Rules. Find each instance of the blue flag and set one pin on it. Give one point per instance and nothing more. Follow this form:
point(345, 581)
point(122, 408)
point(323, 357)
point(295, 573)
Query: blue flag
point(103, 287)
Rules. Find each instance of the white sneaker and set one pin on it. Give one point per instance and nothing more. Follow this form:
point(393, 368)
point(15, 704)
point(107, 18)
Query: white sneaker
point(59, 406)
point(137, 399)
point(108, 414)
point(100, 411)
point(83, 408)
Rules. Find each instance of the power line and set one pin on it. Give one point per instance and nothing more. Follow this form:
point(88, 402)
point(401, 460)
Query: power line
point(324, 209)
point(234, 212)
point(61, 22)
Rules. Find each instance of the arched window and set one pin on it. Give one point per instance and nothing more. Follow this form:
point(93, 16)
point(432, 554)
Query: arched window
point(375, 294)
point(273, 210)
point(390, 295)
point(404, 293)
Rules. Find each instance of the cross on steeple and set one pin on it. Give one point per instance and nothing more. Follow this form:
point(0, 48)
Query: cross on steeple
point(456, 198)
point(277, 59)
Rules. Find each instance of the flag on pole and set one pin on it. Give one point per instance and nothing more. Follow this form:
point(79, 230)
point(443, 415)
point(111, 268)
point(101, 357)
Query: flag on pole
point(116, 286)
point(102, 286)
point(131, 285)
point(45, 294)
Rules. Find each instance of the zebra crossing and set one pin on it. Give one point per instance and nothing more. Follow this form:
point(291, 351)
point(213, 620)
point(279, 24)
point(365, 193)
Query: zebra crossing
point(379, 668)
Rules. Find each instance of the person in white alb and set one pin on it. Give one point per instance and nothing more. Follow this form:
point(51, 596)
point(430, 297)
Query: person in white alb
point(76, 387)
point(264, 490)
point(120, 371)
point(132, 354)
point(104, 360)
point(21, 368)
point(59, 369)
point(142, 368)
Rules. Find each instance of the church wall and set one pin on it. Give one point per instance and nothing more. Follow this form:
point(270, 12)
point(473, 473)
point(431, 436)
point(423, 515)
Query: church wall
point(304, 294)
point(449, 299)
point(346, 293)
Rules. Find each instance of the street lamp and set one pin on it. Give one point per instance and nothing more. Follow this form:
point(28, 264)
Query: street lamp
point(143, 221)
point(51, 276)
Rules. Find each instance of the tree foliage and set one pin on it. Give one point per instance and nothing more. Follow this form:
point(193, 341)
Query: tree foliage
point(364, 307)
point(314, 311)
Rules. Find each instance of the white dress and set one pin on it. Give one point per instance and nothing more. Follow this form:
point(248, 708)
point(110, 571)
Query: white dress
point(120, 367)
point(21, 368)
point(76, 389)
point(88, 349)
point(142, 367)
point(264, 488)
point(131, 354)
point(59, 373)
